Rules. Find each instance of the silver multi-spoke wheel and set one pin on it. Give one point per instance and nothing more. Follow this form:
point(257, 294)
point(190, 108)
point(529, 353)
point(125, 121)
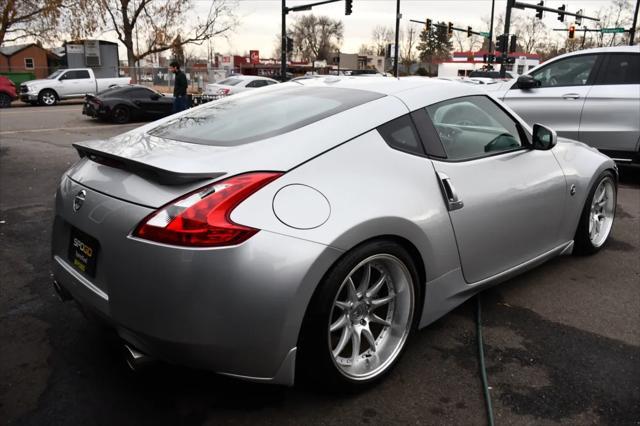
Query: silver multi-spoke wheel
point(48, 98)
point(602, 211)
point(371, 317)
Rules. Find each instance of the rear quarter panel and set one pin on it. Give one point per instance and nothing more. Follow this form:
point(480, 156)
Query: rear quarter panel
point(373, 190)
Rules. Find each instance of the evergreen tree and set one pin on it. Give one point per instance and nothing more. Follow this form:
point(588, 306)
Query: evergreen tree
point(435, 46)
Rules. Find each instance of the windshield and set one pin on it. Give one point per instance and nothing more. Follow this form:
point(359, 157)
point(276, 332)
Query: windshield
point(55, 74)
point(239, 120)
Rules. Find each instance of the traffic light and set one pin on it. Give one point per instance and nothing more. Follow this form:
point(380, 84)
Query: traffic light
point(513, 44)
point(560, 14)
point(428, 25)
point(501, 43)
point(450, 29)
point(540, 11)
point(289, 45)
point(348, 7)
point(579, 18)
point(468, 31)
point(572, 31)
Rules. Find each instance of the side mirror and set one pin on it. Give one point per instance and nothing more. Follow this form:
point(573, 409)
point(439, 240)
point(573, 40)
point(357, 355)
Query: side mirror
point(527, 82)
point(155, 97)
point(62, 77)
point(543, 137)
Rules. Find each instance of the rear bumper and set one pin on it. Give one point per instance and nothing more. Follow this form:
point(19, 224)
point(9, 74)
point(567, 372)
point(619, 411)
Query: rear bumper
point(235, 310)
point(91, 111)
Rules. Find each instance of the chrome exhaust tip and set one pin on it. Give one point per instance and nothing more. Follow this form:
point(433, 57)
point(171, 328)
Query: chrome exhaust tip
point(61, 292)
point(135, 359)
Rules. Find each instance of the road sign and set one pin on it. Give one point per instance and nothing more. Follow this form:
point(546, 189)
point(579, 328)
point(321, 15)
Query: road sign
point(483, 34)
point(612, 30)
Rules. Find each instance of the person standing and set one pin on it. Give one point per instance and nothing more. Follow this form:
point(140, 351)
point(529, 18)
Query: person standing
point(179, 88)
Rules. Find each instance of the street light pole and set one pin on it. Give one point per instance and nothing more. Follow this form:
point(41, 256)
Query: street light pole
point(283, 43)
point(632, 33)
point(395, 55)
point(493, 6)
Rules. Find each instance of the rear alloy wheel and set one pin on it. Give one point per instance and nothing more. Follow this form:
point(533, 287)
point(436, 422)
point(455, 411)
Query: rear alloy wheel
point(5, 100)
point(48, 98)
point(597, 216)
point(121, 114)
point(361, 317)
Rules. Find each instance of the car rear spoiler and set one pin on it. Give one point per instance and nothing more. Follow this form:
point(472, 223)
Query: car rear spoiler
point(147, 171)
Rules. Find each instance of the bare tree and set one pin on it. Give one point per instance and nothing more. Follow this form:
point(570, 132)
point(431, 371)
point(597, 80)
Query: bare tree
point(20, 19)
point(316, 37)
point(618, 14)
point(410, 41)
point(166, 24)
point(366, 49)
point(381, 36)
point(531, 31)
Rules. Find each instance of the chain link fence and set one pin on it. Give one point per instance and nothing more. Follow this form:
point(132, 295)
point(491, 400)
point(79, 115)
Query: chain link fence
point(163, 80)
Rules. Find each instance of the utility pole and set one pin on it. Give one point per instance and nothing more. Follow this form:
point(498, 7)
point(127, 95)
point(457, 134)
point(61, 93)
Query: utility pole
point(283, 44)
point(632, 33)
point(493, 6)
point(395, 55)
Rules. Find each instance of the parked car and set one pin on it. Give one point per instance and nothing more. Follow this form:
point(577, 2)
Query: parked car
point(122, 104)
point(238, 83)
point(591, 95)
point(7, 92)
point(66, 84)
point(316, 223)
point(489, 75)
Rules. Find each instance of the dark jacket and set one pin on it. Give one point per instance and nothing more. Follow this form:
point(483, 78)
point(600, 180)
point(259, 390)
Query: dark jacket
point(180, 88)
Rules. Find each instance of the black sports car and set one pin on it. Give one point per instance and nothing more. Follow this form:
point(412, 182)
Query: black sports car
point(122, 104)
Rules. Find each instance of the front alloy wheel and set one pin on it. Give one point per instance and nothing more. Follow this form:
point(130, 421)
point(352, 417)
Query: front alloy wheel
point(597, 216)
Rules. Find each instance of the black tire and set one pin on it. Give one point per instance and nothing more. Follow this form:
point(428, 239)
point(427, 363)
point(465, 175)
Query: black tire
point(47, 97)
point(316, 363)
point(5, 100)
point(583, 244)
point(121, 114)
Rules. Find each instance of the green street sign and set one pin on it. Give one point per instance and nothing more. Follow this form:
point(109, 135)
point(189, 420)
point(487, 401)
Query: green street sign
point(612, 30)
point(483, 34)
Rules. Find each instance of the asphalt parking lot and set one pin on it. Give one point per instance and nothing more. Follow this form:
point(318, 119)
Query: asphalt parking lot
point(562, 341)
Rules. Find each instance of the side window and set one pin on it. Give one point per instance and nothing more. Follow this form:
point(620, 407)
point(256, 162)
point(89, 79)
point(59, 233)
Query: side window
point(473, 127)
point(75, 75)
point(621, 68)
point(140, 94)
point(401, 134)
point(572, 71)
point(257, 83)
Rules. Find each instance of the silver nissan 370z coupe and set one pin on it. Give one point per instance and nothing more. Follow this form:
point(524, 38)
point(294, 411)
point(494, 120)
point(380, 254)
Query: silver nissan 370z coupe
point(308, 228)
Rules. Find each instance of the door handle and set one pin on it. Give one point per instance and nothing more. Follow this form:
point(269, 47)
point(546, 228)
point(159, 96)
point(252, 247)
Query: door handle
point(137, 102)
point(571, 96)
point(449, 192)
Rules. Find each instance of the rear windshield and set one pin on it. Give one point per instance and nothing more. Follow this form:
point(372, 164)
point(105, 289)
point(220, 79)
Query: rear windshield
point(230, 81)
point(237, 120)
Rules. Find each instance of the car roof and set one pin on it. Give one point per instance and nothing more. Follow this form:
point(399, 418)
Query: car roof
point(612, 49)
point(250, 77)
point(390, 86)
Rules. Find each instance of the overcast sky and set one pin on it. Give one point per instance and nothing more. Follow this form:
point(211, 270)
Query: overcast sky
point(260, 19)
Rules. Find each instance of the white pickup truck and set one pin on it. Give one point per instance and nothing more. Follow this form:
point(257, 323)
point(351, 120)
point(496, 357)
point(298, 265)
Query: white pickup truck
point(66, 84)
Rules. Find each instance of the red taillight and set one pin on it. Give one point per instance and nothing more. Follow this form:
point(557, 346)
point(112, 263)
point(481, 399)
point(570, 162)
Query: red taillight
point(202, 218)
point(223, 92)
